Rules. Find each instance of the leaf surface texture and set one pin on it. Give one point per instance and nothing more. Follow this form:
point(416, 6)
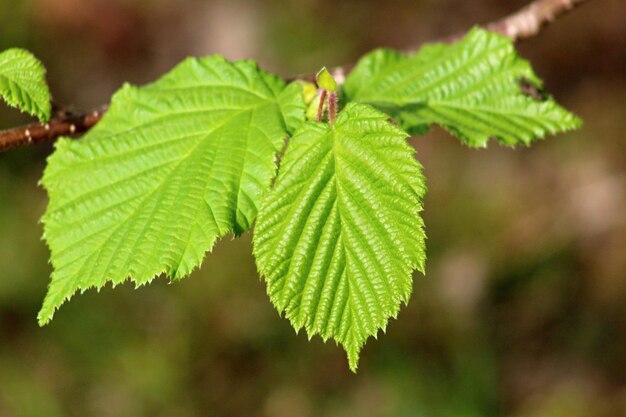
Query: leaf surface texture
point(171, 167)
point(23, 83)
point(339, 235)
point(471, 88)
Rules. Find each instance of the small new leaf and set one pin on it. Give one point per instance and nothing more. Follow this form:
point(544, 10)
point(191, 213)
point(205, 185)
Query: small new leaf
point(169, 169)
point(339, 235)
point(471, 88)
point(309, 91)
point(326, 80)
point(23, 83)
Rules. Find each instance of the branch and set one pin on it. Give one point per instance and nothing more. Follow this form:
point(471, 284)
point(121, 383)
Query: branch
point(528, 21)
point(63, 125)
point(523, 24)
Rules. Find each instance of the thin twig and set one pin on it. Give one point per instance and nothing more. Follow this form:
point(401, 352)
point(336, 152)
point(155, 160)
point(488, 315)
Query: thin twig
point(65, 125)
point(523, 24)
point(528, 22)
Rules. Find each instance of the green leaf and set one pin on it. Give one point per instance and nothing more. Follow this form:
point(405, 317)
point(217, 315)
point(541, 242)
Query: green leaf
point(471, 88)
point(23, 83)
point(170, 168)
point(340, 234)
point(309, 91)
point(326, 81)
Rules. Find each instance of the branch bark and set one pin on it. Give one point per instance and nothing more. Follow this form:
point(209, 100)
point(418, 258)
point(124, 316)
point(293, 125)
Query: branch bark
point(529, 21)
point(63, 125)
point(523, 24)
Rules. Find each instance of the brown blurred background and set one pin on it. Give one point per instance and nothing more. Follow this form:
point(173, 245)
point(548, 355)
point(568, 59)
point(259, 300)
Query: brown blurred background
point(522, 312)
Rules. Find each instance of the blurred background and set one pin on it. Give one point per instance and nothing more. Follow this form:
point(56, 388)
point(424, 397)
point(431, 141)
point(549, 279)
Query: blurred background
point(522, 312)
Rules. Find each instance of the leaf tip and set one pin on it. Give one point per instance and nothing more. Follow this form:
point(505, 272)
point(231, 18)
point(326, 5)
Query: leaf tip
point(353, 358)
point(46, 313)
point(44, 318)
point(326, 80)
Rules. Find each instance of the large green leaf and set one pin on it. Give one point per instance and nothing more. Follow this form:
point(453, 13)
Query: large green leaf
point(471, 88)
point(170, 168)
point(340, 234)
point(23, 83)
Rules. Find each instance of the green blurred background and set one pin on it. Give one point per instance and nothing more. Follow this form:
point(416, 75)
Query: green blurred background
point(522, 312)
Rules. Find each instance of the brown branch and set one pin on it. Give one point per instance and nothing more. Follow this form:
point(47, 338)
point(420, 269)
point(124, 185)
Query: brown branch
point(529, 21)
point(64, 125)
point(523, 24)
